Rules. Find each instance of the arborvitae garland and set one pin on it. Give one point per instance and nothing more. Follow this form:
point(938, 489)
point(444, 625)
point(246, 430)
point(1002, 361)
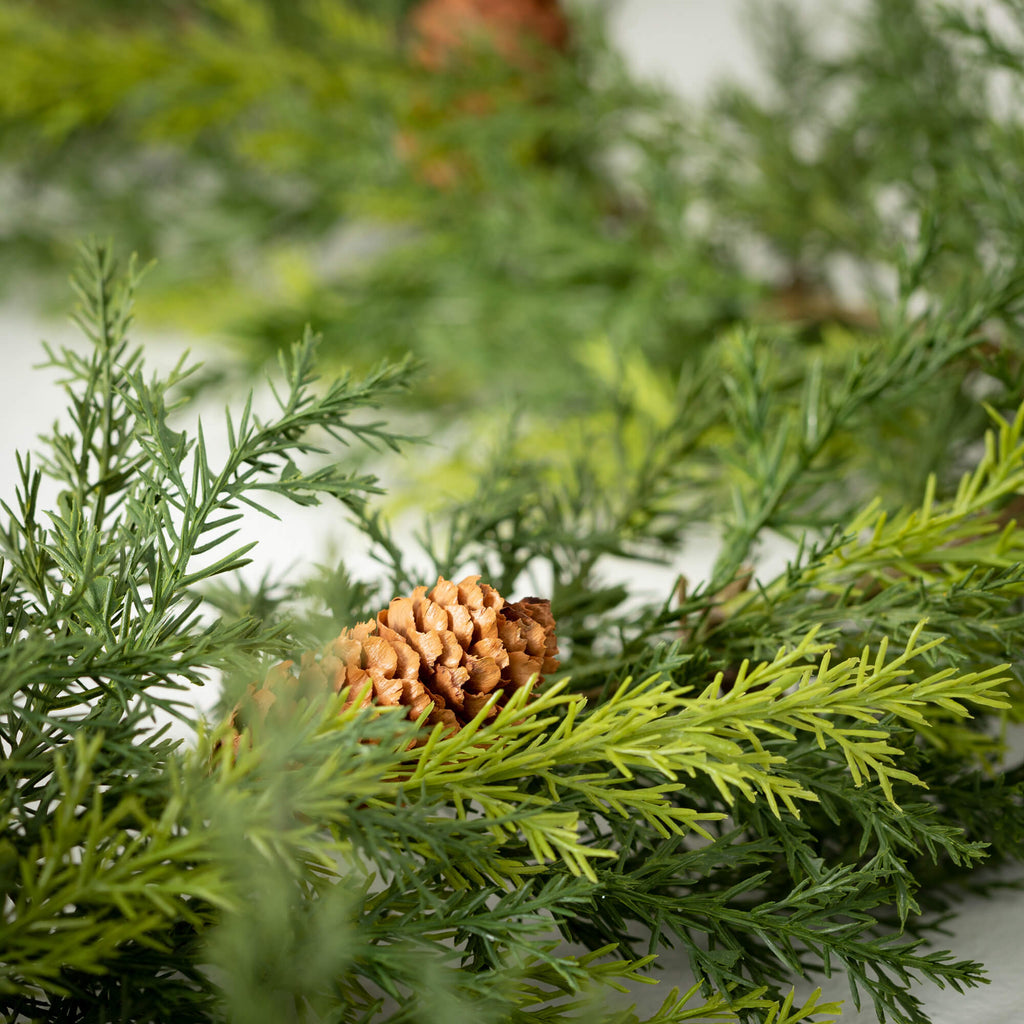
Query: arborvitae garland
point(792, 777)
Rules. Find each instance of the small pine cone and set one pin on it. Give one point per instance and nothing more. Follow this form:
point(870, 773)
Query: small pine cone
point(444, 34)
point(443, 29)
point(451, 648)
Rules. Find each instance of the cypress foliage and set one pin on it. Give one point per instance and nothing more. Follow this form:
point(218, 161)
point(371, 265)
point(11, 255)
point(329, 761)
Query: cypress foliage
point(791, 776)
point(783, 774)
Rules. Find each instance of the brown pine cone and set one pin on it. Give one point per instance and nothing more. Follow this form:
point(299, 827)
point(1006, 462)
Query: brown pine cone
point(451, 647)
point(444, 34)
point(443, 29)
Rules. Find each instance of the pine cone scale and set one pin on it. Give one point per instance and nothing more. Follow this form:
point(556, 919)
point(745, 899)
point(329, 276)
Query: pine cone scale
point(484, 674)
point(493, 648)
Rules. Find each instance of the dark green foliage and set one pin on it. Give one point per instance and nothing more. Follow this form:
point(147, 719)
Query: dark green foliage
point(283, 162)
point(778, 773)
point(808, 813)
point(253, 142)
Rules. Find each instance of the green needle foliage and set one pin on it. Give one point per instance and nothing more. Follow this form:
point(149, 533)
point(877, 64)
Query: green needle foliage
point(793, 780)
point(293, 163)
point(783, 776)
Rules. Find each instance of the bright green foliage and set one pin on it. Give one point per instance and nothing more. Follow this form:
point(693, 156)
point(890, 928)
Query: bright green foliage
point(775, 774)
point(811, 807)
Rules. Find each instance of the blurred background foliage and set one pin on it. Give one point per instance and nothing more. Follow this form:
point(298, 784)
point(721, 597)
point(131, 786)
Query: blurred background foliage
point(488, 186)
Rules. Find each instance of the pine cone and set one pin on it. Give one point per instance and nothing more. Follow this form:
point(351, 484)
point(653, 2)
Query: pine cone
point(446, 28)
point(450, 648)
point(446, 33)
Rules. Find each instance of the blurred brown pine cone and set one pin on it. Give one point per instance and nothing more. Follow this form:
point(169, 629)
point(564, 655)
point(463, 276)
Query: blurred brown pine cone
point(451, 647)
point(443, 29)
point(444, 34)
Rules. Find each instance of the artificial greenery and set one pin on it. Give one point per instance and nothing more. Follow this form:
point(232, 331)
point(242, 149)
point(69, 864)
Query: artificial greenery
point(281, 161)
point(796, 777)
point(784, 776)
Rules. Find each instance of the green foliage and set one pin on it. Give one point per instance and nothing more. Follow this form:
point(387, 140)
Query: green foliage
point(280, 161)
point(779, 774)
point(813, 812)
point(283, 161)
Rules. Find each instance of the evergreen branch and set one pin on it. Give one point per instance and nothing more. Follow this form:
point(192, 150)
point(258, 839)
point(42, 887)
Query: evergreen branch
point(774, 452)
point(786, 696)
point(352, 865)
point(257, 450)
point(628, 731)
point(123, 571)
point(651, 727)
point(677, 1007)
point(738, 934)
point(112, 860)
point(960, 536)
point(97, 878)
